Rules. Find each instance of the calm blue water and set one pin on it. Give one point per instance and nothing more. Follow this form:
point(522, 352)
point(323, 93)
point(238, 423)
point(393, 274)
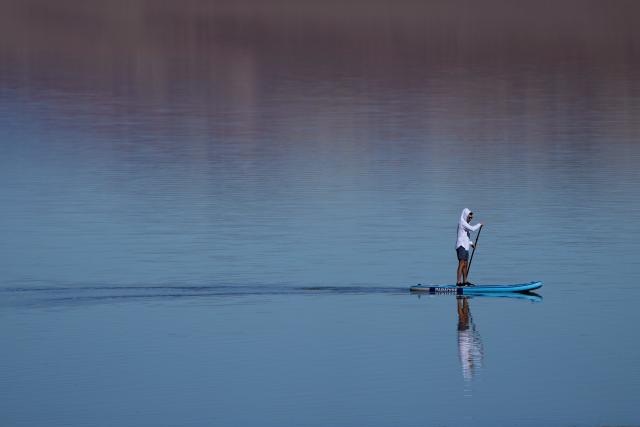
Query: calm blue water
point(211, 213)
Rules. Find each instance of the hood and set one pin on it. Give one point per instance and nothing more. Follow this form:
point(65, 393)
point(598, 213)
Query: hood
point(465, 214)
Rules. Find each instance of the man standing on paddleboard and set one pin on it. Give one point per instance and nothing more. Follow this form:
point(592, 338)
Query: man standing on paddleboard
point(462, 246)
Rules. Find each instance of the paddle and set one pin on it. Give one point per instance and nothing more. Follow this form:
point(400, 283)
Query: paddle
point(473, 252)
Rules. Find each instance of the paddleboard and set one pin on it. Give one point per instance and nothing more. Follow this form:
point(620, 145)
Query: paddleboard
point(477, 289)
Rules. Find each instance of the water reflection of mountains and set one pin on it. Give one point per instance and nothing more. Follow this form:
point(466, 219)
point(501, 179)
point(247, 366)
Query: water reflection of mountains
point(245, 53)
point(159, 41)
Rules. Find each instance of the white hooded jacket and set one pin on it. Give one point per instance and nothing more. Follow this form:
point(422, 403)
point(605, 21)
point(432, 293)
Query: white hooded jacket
point(464, 229)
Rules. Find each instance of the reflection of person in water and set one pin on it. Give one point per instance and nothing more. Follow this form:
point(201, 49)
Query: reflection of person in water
point(469, 342)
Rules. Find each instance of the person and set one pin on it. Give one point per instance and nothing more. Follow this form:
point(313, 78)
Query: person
point(462, 246)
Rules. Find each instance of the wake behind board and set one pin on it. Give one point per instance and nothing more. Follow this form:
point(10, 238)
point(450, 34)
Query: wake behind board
point(477, 289)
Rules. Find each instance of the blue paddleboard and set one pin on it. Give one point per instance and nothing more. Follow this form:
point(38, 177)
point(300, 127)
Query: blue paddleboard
point(477, 289)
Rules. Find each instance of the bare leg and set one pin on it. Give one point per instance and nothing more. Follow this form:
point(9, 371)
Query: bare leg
point(461, 272)
point(465, 270)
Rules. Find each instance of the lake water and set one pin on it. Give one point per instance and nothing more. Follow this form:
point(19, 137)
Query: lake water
point(212, 212)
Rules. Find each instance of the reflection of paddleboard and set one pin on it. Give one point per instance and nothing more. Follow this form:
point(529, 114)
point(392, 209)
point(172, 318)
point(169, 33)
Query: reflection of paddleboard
point(477, 289)
point(527, 296)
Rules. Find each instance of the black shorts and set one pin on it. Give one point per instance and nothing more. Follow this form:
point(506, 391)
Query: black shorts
point(463, 254)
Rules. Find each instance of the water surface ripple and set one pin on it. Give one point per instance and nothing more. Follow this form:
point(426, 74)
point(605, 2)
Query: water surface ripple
point(212, 212)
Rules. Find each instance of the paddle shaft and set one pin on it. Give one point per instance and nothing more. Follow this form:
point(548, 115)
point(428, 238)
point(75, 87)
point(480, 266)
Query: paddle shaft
point(473, 252)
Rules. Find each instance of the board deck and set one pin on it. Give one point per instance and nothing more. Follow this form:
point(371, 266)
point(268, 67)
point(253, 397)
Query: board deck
point(478, 289)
